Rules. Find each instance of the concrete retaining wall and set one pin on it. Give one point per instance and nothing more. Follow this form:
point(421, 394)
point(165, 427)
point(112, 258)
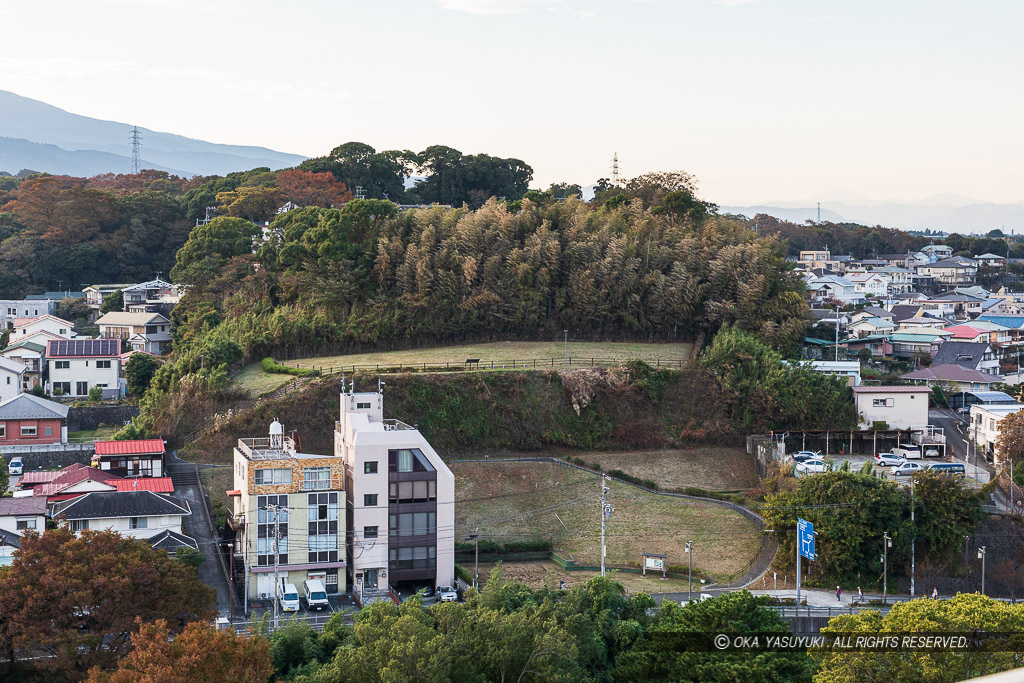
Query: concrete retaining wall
point(92, 417)
point(55, 457)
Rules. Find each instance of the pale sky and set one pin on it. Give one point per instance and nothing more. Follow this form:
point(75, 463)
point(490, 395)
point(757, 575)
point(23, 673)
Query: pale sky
point(763, 100)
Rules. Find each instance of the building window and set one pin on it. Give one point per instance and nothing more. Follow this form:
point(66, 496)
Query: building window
point(79, 524)
point(28, 431)
point(412, 491)
point(370, 467)
point(82, 388)
point(3, 431)
point(61, 364)
point(322, 520)
point(419, 557)
point(881, 402)
point(412, 524)
point(408, 460)
point(139, 523)
point(28, 523)
point(47, 431)
point(316, 478)
point(270, 476)
point(265, 530)
point(103, 364)
point(369, 532)
point(369, 499)
point(362, 406)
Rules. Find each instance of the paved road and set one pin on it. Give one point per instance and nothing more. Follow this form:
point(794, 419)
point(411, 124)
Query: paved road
point(200, 527)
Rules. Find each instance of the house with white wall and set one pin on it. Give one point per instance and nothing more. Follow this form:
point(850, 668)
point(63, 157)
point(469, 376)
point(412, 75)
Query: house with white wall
point(11, 378)
point(149, 332)
point(898, 407)
point(23, 308)
point(983, 427)
point(869, 284)
point(25, 328)
point(78, 365)
point(33, 356)
point(401, 499)
point(137, 514)
point(18, 515)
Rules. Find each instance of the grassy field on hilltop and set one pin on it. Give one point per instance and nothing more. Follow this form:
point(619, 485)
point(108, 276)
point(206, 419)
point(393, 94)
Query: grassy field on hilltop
point(713, 468)
point(507, 351)
point(255, 382)
point(520, 501)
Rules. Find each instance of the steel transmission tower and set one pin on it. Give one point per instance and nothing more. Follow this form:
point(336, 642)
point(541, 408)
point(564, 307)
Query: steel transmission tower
point(615, 169)
point(136, 138)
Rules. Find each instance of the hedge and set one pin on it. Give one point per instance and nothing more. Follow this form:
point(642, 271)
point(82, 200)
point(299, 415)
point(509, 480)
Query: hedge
point(270, 365)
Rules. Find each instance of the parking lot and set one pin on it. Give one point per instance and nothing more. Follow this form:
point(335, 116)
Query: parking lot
point(857, 461)
point(335, 604)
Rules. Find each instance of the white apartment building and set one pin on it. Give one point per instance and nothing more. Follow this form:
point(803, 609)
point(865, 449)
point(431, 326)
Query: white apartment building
point(401, 516)
point(78, 365)
point(295, 501)
point(899, 407)
point(869, 284)
point(984, 427)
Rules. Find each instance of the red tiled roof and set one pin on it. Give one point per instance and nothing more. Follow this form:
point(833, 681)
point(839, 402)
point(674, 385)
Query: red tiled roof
point(38, 477)
point(21, 322)
point(154, 484)
point(965, 331)
point(130, 447)
point(71, 476)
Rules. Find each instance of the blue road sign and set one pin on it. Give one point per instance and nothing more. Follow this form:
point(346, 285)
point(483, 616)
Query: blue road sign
point(805, 537)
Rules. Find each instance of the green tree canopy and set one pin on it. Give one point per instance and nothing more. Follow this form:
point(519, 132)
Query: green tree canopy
point(209, 246)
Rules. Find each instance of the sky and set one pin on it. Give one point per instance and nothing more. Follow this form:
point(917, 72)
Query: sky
point(762, 100)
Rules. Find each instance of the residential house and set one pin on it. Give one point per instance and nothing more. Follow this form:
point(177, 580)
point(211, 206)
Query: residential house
point(131, 458)
point(981, 357)
point(155, 296)
point(28, 420)
point(25, 328)
point(898, 280)
point(23, 308)
point(1013, 323)
point(978, 397)
point(10, 543)
point(272, 481)
point(834, 288)
point(897, 407)
point(150, 332)
point(938, 252)
point(905, 261)
point(877, 344)
point(980, 331)
point(991, 260)
point(78, 365)
point(401, 499)
point(95, 294)
point(983, 427)
point(925, 284)
point(18, 515)
point(138, 514)
point(11, 378)
point(848, 370)
point(922, 342)
point(867, 326)
point(33, 356)
point(78, 479)
point(953, 272)
point(820, 258)
point(870, 285)
point(953, 377)
point(904, 311)
point(871, 312)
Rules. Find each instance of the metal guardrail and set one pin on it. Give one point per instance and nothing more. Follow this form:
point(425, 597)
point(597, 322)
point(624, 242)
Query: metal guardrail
point(797, 611)
point(463, 366)
point(317, 621)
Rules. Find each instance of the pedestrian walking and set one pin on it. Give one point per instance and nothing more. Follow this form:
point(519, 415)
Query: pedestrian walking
point(860, 595)
point(935, 593)
point(839, 594)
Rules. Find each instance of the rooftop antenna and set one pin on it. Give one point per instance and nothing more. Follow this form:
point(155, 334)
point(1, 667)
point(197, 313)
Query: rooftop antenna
point(136, 138)
point(360, 192)
point(616, 176)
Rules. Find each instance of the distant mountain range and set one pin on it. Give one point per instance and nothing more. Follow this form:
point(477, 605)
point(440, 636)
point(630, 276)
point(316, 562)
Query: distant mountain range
point(945, 213)
point(37, 136)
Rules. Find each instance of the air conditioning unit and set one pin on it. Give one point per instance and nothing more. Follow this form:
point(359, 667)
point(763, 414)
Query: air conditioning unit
point(264, 596)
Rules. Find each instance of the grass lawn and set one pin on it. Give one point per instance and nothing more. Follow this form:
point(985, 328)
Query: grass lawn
point(507, 351)
point(218, 480)
point(101, 434)
point(713, 468)
point(510, 501)
point(255, 382)
point(548, 574)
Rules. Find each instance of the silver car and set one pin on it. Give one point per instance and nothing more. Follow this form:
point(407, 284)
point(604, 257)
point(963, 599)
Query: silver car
point(906, 468)
point(888, 460)
point(446, 594)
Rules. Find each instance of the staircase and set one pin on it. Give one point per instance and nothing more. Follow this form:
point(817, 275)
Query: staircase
point(183, 474)
point(281, 391)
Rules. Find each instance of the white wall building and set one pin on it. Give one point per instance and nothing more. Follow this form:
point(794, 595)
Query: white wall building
point(899, 407)
point(81, 364)
point(400, 496)
point(984, 427)
point(18, 515)
point(11, 377)
point(849, 370)
point(138, 514)
point(25, 328)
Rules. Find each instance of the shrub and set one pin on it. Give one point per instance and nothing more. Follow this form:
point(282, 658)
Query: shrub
point(272, 366)
point(96, 393)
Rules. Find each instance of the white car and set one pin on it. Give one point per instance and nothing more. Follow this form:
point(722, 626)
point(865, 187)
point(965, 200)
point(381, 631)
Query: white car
point(700, 598)
point(813, 465)
point(907, 452)
point(906, 468)
point(288, 596)
point(888, 460)
point(446, 594)
point(16, 466)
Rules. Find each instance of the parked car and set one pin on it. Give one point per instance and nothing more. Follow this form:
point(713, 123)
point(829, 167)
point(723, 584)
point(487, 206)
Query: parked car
point(906, 468)
point(803, 456)
point(907, 452)
point(700, 598)
point(446, 594)
point(288, 594)
point(316, 594)
point(813, 465)
point(931, 452)
point(955, 469)
point(16, 466)
point(888, 459)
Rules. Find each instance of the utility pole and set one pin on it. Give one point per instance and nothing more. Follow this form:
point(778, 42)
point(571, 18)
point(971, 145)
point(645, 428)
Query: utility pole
point(689, 584)
point(913, 538)
point(606, 510)
point(277, 560)
point(819, 213)
point(885, 566)
point(981, 556)
point(798, 568)
point(566, 332)
point(837, 333)
point(476, 558)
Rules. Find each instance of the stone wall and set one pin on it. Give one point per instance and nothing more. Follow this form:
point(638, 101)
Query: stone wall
point(92, 417)
point(45, 458)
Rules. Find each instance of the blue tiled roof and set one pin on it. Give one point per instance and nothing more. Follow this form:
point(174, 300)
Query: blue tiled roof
point(1014, 321)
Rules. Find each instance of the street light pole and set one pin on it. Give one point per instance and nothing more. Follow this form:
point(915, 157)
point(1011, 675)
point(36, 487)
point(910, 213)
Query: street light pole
point(885, 566)
point(981, 556)
point(476, 558)
point(913, 537)
point(605, 510)
point(689, 584)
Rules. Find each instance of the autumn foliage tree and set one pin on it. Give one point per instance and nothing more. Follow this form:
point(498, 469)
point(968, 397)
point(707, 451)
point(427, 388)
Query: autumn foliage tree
point(312, 189)
point(199, 653)
point(77, 599)
point(1010, 441)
